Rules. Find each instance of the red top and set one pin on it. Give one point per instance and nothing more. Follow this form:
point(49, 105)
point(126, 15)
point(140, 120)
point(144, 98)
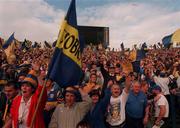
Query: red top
point(39, 121)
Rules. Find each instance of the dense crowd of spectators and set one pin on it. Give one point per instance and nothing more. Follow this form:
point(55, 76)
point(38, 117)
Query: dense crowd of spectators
point(112, 93)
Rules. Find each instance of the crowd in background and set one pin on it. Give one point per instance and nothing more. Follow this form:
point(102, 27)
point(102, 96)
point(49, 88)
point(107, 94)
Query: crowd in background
point(112, 92)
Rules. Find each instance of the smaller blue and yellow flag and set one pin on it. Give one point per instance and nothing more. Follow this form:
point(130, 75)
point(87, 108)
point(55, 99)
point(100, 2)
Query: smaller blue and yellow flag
point(167, 41)
point(9, 47)
point(8, 42)
point(136, 56)
point(65, 66)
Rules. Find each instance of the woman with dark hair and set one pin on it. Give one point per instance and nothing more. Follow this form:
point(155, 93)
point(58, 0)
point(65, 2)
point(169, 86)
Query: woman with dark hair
point(95, 116)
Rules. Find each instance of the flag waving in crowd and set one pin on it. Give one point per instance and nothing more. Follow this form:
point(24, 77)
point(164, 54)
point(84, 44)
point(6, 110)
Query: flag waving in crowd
point(65, 66)
point(167, 41)
point(9, 47)
point(8, 42)
point(47, 85)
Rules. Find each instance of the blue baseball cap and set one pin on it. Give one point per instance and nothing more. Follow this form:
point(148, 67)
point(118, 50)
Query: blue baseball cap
point(157, 88)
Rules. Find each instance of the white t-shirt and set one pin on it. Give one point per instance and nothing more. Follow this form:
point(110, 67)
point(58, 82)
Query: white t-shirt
point(116, 109)
point(23, 112)
point(161, 101)
point(163, 83)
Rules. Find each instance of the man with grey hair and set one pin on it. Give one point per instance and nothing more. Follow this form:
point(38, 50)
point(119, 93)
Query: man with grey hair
point(136, 105)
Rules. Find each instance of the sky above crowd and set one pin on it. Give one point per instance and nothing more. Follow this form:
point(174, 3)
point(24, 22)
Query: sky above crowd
point(130, 21)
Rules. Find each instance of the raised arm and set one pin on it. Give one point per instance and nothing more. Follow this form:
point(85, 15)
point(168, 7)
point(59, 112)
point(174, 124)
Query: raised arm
point(106, 99)
point(128, 82)
point(86, 103)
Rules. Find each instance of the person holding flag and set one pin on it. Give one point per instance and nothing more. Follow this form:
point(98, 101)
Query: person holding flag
point(65, 66)
point(65, 69)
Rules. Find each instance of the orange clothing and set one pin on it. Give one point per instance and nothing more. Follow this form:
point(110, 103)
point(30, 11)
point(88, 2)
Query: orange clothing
point(127, 67)
point(89, 87)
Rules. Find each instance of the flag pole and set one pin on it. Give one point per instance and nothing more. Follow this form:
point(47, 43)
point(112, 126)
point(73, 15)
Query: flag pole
point(39, 100)
point(38, 103)
point(42, 91)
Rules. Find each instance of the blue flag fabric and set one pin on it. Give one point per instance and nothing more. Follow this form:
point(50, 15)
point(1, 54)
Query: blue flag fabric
point(23, 45)
point(47, 45)
point(54, 43)
point(167, 41)
point(8, 42)
point(136, 66)
point(144, 46)
point(65, 66)
point(122, 46)
point(35, 45)
point(140, 54)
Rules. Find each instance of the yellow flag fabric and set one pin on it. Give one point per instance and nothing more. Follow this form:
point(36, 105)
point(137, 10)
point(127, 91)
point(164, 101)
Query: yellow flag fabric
point(69, 41)
point(132, 55)
point(176, 37)
point(127, 67)
point(10, 53)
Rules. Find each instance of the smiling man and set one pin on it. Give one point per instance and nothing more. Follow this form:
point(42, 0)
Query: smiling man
point(116, 109)
point(70, 113)
point(136, 107)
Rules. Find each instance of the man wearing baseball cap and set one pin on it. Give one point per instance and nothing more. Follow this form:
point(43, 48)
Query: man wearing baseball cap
point(70, 113)
point(161, 106)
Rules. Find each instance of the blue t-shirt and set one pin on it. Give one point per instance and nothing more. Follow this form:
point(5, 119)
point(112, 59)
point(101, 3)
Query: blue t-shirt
point(136, 104)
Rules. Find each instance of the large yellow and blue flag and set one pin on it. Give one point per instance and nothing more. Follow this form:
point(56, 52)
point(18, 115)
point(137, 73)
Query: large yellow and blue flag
point(65, 66)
